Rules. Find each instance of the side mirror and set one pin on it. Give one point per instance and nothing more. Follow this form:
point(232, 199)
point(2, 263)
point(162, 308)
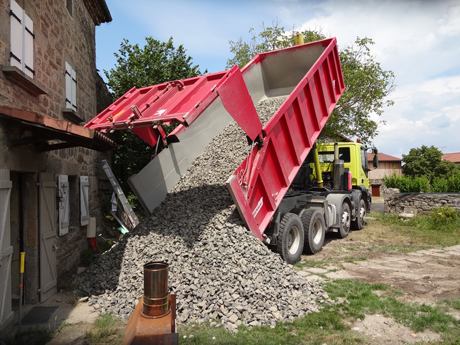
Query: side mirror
point(375, 151)
point(375, 161)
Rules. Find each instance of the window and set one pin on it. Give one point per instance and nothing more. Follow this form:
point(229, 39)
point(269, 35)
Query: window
point(70, 87)
point(364, 162)
point(328, 156)
point(22, 40)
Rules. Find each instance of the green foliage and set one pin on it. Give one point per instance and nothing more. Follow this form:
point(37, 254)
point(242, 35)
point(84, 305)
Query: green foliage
point(427, 161)
point(270, 38)
point(367, 84)
point(444, 214)
point(157, 62)
point(362, 300)
point(407, 184)
point(106, 329)
point(425, 229)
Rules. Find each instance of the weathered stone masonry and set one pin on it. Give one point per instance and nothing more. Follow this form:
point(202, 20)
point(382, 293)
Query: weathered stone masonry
point(60, 36)
point(418, 203)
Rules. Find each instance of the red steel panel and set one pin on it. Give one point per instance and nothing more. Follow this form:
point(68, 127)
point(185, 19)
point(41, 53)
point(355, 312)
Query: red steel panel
point(178, 101)
point(237, 101)
point(288, 138)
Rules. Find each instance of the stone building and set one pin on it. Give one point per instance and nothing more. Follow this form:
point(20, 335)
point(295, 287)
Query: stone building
point(50, 166)
point(388, 165)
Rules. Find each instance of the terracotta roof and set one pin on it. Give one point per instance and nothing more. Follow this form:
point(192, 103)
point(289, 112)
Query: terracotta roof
point(452, 157)
point(383, 157)
point(98, 11)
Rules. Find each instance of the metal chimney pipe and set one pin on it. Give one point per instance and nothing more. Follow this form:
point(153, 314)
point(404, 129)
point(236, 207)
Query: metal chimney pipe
point(155, 289)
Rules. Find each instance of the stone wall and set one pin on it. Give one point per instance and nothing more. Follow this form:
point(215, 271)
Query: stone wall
point(60, 36)
point(418, 203)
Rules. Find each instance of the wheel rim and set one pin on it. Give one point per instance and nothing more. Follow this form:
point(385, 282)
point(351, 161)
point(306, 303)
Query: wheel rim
point(346, 219)
point(317, 232)
point(362, 214)
point(294, 240)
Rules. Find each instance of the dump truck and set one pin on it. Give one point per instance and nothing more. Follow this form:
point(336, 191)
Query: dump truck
point(285, 195)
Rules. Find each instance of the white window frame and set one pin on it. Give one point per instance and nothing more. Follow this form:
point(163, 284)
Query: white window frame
point(21, 40)
point(70, 87)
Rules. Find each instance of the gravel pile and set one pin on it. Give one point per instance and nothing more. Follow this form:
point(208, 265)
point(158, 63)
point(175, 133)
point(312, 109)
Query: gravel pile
point(219, 271)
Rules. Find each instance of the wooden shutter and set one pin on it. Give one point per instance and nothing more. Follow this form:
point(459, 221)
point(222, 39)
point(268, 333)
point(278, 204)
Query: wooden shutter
point(68, 86)
point(6, 250)
point(47, 224)
point(16, 16)
point(64, 203)
point(28, 46)
point(74, 90)
point(84, 202)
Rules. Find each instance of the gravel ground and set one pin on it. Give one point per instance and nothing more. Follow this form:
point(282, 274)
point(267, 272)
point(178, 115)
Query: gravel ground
point(219, 271)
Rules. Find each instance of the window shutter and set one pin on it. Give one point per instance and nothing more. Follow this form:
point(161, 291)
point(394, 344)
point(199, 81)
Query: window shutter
point(74, 90)
point(28, 46)
point(16, 15)
point(84, 202)
point(68, 86)
point(64, 203)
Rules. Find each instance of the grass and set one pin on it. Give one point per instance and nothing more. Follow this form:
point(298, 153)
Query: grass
point(331, 325)
point(312, 264)
point(425, 229)
point(399, 248)
point(106, 329)
point(421, 230)
point(454, 303)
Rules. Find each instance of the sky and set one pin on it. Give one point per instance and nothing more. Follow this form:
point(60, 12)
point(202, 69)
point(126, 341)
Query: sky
point(418, 40)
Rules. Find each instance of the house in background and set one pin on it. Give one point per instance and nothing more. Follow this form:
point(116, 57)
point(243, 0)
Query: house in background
point(452, 157)
point(50, 167)
point(387, 166)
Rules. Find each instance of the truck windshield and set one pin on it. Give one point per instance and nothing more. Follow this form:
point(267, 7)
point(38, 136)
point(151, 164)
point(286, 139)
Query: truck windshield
point(328, 156)
point(364, 162)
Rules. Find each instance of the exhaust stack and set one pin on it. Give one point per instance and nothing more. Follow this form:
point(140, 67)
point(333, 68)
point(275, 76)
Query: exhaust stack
point(154, 319)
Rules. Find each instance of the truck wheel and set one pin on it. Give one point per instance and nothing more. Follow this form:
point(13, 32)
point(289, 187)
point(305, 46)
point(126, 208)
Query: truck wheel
point(360, 220)
point(314, 229)
point(345, 220)
point(290, 238)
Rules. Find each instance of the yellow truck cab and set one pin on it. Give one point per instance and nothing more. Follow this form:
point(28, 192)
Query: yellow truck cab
point(354, 157)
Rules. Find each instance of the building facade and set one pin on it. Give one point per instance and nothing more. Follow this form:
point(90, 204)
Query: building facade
point(388, 165)
point(50, 171)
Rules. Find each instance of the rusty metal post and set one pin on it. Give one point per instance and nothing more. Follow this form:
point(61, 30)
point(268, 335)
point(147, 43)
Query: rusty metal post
point(154, 319)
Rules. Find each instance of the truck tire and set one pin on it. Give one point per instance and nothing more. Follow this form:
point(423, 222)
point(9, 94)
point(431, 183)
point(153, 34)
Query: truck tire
point(314, 231)
point(344, 221)
point(290, 238)
point(360, 220)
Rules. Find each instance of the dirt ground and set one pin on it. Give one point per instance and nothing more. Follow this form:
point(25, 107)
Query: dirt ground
point(423, 276)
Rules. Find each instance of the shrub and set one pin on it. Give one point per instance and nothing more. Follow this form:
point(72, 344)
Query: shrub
point(407, 184)
point(444, 214)
point(440, 185)
point(391, 181)
point(453, 182)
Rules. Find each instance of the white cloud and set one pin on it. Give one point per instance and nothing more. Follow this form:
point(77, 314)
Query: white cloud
point(416, 40)
point(450, 23)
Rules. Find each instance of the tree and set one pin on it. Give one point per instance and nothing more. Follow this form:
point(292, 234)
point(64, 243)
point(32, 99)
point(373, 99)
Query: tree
point(157, 62)
point(367, 84)
point(426, 162)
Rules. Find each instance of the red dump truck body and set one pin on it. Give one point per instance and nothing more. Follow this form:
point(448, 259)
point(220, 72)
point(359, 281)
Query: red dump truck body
point(261, 181)
point(309, 75)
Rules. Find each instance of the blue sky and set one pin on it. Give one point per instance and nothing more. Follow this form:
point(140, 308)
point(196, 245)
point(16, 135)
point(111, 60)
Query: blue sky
point(418, 40)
